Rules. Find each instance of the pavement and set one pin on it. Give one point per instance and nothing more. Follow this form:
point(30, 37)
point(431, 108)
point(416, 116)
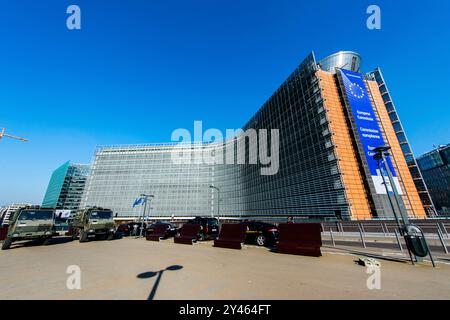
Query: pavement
point(131, 268)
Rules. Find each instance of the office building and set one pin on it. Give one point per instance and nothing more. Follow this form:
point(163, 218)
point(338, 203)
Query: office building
point(435, 167)
point(404, 144)
point(66, 186)
point(330, 118)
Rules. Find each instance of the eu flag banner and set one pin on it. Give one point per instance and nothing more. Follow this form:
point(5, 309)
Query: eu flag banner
point(137, 202)
point(367, 126)
point(140, 201)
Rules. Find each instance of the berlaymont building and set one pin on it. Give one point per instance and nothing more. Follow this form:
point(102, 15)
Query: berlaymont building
point(321, 127)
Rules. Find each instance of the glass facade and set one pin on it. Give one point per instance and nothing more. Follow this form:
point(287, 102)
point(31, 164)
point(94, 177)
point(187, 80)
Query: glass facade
point(320, 175)
point(120, 174)
point(307, 184)
point(54, 187)
point(435, 167)
point(66, 187)
point(421, 187)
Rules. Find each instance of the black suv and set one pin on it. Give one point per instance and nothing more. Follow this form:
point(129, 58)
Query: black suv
point(261, 233)
point(209, 227)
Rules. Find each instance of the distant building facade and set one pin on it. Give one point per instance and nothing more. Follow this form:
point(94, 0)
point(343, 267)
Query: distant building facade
point(435, 167)
point(119, 174)
point(66, 187)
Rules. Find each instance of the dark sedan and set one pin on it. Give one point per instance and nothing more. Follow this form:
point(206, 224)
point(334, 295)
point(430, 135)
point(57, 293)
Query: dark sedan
point(130, 229)
point(124, 229)
point(261, 233)
point(171, 230)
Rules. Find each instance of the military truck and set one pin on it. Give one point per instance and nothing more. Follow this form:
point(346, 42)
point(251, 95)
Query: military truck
point(30, 223)
point(93, 222)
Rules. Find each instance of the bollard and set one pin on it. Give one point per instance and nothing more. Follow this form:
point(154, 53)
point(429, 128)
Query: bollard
point(442, 241)
point(332, 238)
point(362, 237)
point(398, 240)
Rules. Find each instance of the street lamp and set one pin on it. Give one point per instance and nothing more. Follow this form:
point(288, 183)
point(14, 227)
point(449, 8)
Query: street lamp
point(380, 156)
point(145, 197)
point(218, 200)
point(413, 235)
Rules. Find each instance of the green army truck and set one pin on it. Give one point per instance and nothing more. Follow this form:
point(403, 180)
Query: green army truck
point(30, 223)
point(93, 222)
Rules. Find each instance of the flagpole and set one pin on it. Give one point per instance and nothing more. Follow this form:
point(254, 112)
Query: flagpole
point(143, 215)
point(145, 196)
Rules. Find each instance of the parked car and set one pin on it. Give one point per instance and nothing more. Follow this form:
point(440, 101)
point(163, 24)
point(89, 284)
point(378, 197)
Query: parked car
point(124, 229)
point(261, 233)
point(209, 227)
point(171, 230)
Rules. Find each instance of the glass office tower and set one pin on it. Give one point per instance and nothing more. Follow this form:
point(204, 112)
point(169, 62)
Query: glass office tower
point(66, 187)
point(329, 117)
point(435, 167)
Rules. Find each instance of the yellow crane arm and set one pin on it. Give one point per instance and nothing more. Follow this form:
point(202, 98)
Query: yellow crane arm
point(3, 134)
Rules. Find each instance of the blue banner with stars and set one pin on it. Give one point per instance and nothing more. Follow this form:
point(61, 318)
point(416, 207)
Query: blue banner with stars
point(365, 120)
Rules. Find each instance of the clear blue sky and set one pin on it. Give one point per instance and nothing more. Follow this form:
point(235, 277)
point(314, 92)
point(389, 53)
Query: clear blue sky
point(139, 69)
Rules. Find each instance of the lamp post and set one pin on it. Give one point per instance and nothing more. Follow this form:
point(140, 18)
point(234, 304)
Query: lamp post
point(145, 196)
point(376, 157)
point(381, 153)
point(414, 236)
point(218, 200)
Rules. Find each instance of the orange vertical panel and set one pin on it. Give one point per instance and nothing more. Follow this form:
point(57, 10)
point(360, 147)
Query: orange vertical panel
point(410, 197)
point(352, 178)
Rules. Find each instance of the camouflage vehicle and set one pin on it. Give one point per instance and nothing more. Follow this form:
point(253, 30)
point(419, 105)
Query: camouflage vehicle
point(93, 222)
point(30, 223)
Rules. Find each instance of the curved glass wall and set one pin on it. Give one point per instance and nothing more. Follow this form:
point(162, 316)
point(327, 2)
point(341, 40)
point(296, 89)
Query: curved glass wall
point(307, 183)
point(348, 60)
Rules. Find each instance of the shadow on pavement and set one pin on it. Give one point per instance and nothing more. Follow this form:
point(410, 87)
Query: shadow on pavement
point(151, 274)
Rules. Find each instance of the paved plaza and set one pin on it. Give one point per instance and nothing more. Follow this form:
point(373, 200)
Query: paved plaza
point(130, 268)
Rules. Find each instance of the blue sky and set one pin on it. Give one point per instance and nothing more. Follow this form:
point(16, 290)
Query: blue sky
point(139, 69)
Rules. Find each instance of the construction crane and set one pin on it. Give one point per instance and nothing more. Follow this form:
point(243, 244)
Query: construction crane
point(3, 134)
